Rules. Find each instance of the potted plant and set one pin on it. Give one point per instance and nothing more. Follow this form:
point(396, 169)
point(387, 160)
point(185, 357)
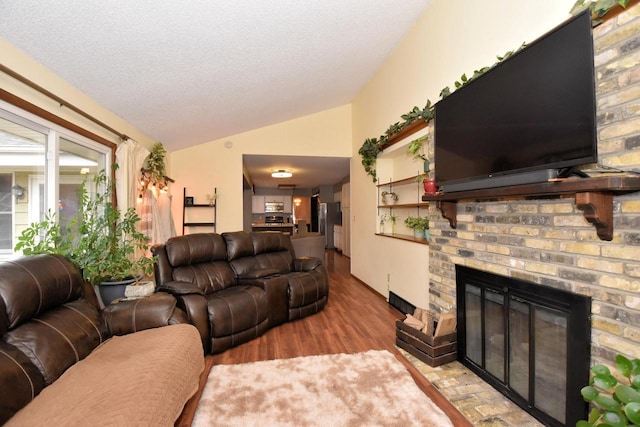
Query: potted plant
point(416, 150)
point(103, 242)
point(614, 403)
point(383, 218)
point(392, 219)
point(389, 197)
point(419, 225)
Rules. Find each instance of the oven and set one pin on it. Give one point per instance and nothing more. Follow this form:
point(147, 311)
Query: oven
point(273, 220)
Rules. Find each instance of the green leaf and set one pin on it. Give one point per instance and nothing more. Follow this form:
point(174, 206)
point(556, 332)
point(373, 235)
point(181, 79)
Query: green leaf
point(605, 382)
point(635, 382)
point(589, 393)
point(624, 365)
point(594, 416)
point(614, 419)
point(607, 403)
point(583, 424)
point(626, 394)
point(632, 411)
point(600, 370)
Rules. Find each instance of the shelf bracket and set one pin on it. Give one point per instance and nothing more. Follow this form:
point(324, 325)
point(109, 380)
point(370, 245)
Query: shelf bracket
point(597, 208)
point(449, 211)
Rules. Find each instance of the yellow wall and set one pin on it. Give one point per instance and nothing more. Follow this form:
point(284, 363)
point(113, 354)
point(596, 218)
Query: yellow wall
point(209, 165)
point(17, 61)
point(452, 37)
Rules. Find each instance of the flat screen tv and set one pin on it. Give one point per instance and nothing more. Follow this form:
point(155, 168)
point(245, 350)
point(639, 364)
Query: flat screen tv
point(528, 119)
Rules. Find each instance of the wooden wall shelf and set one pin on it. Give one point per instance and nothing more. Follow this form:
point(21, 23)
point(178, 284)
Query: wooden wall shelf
point(404, 237)
point(594, 196)
point(405, 132)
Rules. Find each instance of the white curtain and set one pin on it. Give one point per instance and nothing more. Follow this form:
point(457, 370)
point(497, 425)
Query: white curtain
point(130, 157)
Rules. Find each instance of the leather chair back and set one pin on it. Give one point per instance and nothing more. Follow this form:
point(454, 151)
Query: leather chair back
point(199, 258)
point(49, 320)
point(266, 252)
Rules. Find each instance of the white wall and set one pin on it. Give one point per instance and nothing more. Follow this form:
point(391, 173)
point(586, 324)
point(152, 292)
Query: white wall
point(452, 37)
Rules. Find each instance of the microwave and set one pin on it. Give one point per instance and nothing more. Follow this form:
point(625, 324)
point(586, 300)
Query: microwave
point(274, 207)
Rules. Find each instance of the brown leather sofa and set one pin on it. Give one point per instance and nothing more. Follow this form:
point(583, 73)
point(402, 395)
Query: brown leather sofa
point(235, 286)
point(51, 324)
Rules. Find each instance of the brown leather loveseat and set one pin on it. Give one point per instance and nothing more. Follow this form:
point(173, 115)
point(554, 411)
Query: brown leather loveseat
point(235, 286)
point(61, 362)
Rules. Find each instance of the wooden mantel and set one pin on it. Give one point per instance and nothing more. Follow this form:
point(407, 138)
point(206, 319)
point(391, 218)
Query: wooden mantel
point(594, 196)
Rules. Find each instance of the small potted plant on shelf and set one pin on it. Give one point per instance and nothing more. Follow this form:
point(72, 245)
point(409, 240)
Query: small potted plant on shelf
point(419, 225)
point(101, 241)
point(389, 197)
point(416, 150)
point(392, 219)
point(383, 218)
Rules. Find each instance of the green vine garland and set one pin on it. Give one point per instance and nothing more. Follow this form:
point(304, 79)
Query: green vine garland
point(374, 146)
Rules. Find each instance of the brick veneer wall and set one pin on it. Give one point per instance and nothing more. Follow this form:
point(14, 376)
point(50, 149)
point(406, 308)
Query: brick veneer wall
point(549, 242)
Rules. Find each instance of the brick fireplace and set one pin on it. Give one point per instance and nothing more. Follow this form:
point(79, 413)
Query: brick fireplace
point(548, 241)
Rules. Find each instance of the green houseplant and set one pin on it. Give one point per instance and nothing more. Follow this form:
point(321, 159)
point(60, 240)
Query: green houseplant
point(388, 197)
point(103, 242)
point(419, 225)
point(614, 403)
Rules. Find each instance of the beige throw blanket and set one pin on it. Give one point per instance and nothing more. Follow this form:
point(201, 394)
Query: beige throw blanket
point(140, 379)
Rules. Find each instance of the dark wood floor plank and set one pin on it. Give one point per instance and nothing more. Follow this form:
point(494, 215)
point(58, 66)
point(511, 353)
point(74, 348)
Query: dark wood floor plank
point(356, 319)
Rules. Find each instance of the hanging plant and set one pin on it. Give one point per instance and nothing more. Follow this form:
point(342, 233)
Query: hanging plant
point(369, 153)
point(155, 163)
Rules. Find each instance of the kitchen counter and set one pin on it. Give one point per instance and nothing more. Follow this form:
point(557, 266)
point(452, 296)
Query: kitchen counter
point(261, 226)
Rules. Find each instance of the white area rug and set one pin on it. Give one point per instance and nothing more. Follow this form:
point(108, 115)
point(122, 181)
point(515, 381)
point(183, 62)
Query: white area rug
point(364, 389)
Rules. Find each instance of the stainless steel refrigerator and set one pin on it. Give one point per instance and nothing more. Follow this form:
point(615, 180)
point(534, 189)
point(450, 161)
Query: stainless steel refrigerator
point(328, 215)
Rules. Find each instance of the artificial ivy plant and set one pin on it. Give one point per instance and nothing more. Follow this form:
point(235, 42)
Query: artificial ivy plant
point(374, 146)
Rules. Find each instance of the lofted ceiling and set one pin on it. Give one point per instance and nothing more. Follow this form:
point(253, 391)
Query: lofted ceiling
point(194, 71)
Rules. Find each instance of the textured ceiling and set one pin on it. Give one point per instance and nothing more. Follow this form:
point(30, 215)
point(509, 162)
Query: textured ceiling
point(193, 71)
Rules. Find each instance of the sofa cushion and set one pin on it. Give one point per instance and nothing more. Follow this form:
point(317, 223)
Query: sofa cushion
point(239, 244)
point(195, 248)
point(140, 379)
point(59, 337)
point(209, 276)
point(236, 309)
point(33, 284)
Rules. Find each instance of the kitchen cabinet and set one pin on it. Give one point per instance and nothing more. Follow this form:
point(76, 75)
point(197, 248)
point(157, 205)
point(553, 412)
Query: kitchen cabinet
point(257, 204)
point(337, 237)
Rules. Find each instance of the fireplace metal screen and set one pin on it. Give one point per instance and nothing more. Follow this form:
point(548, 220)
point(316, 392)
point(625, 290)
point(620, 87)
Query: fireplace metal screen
point(529, 341)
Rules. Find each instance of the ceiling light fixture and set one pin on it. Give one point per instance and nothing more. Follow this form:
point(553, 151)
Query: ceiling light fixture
point(281, 173)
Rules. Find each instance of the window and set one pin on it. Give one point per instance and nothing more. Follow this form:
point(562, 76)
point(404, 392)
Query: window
point(42, 165)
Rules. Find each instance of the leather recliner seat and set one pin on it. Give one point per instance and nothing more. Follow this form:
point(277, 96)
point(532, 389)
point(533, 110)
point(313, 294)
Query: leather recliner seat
point(235, 286)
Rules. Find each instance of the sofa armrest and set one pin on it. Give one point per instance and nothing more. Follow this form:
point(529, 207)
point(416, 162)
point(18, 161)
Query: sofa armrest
point(259, 274)
point(180, 288)
point(196, 310)
point(306, 263)
point(128, 316)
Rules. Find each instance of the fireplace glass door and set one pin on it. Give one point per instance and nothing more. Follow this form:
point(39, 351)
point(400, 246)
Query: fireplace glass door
point(517, 335)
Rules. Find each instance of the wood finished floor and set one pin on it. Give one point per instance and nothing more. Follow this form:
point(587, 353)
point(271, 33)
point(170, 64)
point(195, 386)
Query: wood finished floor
point(355, 319)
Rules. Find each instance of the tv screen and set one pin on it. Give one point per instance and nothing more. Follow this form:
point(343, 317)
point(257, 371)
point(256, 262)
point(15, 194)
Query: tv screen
point(525, 119)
